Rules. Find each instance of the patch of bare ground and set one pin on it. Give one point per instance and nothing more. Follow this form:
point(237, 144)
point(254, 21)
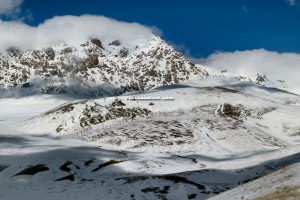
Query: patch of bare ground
point(218, 90)
point(239, 111)
point(282, 193)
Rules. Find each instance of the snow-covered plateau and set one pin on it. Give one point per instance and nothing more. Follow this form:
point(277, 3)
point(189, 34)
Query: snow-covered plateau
point(106, 121)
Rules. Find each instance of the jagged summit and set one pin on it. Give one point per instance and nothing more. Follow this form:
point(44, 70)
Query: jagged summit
point(93, 68)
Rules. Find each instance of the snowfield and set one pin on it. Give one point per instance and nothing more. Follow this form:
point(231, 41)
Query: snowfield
point(219, 138)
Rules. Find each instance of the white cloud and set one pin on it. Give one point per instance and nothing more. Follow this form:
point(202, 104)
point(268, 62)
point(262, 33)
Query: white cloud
point(277, 66)
point(72, 29)
point(291, 2)
point(10, 7)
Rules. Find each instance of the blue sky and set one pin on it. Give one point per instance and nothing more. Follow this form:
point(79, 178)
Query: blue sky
point(197, 27)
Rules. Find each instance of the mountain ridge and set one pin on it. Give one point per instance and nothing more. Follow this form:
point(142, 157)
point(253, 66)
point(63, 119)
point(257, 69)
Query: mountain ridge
point(90, 65)
point(95, 69)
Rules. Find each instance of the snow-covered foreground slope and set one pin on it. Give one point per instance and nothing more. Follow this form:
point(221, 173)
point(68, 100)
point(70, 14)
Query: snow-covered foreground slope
point(215, 135)
point(281, 184)
point(56, 169)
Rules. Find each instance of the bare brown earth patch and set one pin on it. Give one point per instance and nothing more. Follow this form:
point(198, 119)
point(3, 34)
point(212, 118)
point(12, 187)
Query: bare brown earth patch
point(284, 192)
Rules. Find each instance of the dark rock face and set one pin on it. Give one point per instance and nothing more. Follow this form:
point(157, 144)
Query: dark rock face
point(13, 51)
point(261, 78)
point(231, 111)
point(123, 53)
point(118, 103)
point(50, 53)
point(97, 42)
point(67, 50)
point(115, 43)
point(240, 112)
point(93, 113)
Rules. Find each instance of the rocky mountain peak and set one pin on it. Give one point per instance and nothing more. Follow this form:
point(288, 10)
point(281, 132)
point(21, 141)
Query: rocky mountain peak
point(93, 68)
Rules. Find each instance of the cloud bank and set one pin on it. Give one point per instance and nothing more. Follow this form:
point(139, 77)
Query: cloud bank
point(276, 66)
point(70, 29)
point(10, 7)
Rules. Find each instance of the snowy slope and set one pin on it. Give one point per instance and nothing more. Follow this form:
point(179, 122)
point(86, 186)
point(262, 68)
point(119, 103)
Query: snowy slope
point(107, 120)
point(217, 134)
point(281, 184)
point(213, 121)
point(257, 77)
point(74, 170)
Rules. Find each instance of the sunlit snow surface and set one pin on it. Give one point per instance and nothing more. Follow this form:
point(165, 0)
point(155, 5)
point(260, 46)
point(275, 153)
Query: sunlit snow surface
point(215, 136)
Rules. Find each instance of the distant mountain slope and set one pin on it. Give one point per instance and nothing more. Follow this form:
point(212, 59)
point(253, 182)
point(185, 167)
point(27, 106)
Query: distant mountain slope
point(215, 121)
point(256, 78)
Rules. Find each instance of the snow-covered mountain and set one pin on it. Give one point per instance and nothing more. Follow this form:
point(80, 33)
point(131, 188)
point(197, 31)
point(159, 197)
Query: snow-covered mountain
point(93, 68)
point(258, 77)
point(96, 69)
point(138, 122)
